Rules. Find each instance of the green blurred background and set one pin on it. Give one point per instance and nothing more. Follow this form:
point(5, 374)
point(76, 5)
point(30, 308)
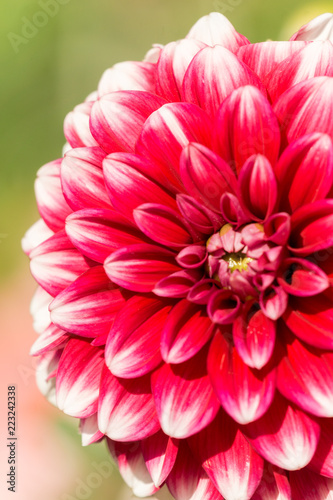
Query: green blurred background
point(45, 76)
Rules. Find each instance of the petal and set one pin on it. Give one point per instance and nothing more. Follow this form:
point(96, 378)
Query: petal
point(205, 175)
point(223, 307)
point(307, 484)
point(178, 284)
point(49, 340)
point(216, 29)
point(88, 306)
point(52, 205)
point(305, 377)
point(285, 436)
point(78, 378)
point(117, 118)
point(36, 234)
point(274, 485)
point(167, 132)
point(302, 278)
point(304, 171)
point(159, 452)
point(319, 28)
point(254, 336)
point(245, 394)
point(55, 263)
point(188, 481)
point(185, 332)
point(245, 125)
point(322, 460)
point(89, 430)
point(192, 256)
point(306, 107)
point(258, 187)
point(205, 85)
point(162, 224)
point(39, 310)
point(97, 233)
point(273, 302)
point(133, 345)
point(199, 217)
point(230, 462)
point(47, 365)
point(184, 399)
point(128, 75)
point(140, 267)
point(76, 126)
point(130, 181)
point(126, 410)
point(82, 179)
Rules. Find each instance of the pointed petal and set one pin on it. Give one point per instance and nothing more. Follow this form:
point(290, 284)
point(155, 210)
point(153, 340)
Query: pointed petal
point(178, 284)
point(49, 340)
point(89, 430)
point(46, 367)
point(205, 85)
point(258, 187)
point(82, 179)
point(230, 462)
point(285, 436)
point(89, 305)
point(140, 267)
point(78, 378)
point(167, 132)
point(55, 263)
point(97, 232)
point(117, 118)
point(188, 481)
point(184, 399)
point(126, 410)
point(216, 29)
point(159, 452)
point(254, 336)
point(307, 107)
point(128, 75)
point(185, 332)
point(245, 125)
point(133, 345)
point(319, 28)
point(199, 217)
point(273, 302)
point(205, 175)
point(223, 307)
point(52, 205)
point(129, 183)
point(305, 377)
point(302, 278)
point(76, 126)
point(307, 484)
point(245, 394)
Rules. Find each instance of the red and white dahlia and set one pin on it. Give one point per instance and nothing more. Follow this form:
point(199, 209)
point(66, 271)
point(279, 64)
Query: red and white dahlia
point(184, 258)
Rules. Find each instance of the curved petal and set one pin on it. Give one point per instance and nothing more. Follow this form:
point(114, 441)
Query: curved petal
point(178, 284)
point(223, 307)
point(36, 234)
point(160, 453)
point(128, 75)
point(49, 340)
point(199, 217)
point(302, 278)
point(319, 28)
point(76, 126)
point(89, 430)
point(192, 257)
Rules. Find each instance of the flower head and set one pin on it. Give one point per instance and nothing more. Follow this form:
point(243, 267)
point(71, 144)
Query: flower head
point(184, 259)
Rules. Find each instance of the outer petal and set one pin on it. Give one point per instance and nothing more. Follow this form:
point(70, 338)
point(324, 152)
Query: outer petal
point(167, 132)
point(245, 394)
point(245, 125)
point(285, 436)
point(56, 263)
point(78, 378)
point(216, 29)
point(45, 374)
point(128, 75)
point(322, 462)
point(51, 203)
point(305, 377)
point(188, 481)
point(159, 452)
point(76, 126)
point(307, 484)
point(274, 485)
point(140, 267)
point(131, 181)
point(207, 86)
point(319, 28)
point(184, 399)
point(36, 234)
point(96, 233)
point(88, 306)
point(304, 171)
point(89, 430)
point(117, 118)
point(82, 179)
point(205, 175)
point(39, 310)
point(302, 278)
point(185, 332)
point(49, 340)
point(229, 460)
point(126, 410)
point(133, 345)
point(306, 107)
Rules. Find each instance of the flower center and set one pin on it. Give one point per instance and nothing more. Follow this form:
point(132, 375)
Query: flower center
point(237, 261)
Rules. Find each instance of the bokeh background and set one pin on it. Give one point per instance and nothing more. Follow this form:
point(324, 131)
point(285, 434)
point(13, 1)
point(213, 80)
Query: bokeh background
point(45, 71)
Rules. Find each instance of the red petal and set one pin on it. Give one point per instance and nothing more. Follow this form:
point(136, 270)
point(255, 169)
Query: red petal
point(78, 378)
point(133, 345)
point(159, 452)
point(302, 278)
point(310, 486)
point(245, 394)
point(223, 307)
point(285, 436)
point(126, 410)
point(322, 461)
point(178, 284)
point(184, 399)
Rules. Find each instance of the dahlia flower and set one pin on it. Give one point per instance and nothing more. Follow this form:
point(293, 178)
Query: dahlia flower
point(185, 269)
